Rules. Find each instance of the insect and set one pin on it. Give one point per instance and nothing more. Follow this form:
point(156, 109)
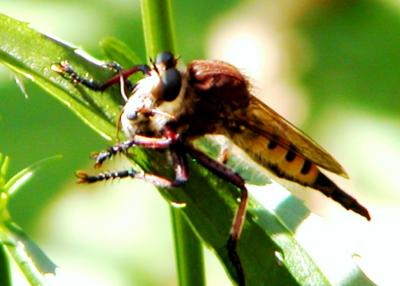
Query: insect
point(170, 108)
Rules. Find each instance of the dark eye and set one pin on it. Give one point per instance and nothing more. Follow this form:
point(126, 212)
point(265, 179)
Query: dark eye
point(171, 83)
point(165, 59)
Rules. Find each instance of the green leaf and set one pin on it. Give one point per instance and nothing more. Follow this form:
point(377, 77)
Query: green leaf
point(4, 163)
point(188, 251)
point(24, 175)
point(34, 61)
point(33, 262)
point(119, 52)
point(267, 248)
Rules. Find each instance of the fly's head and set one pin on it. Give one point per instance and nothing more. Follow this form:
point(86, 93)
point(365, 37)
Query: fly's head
point(157, 98)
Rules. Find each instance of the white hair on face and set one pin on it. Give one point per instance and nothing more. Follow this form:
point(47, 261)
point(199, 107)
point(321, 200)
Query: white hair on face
point(145, 96)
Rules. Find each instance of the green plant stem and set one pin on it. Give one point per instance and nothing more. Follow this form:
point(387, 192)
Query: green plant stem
point(157, 26)
point(159, 36)
point(5, 277)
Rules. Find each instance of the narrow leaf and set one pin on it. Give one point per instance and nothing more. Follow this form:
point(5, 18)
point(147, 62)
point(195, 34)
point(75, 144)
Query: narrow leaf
point(24, 175)
point(4, 164)
point(33, 262)
point(34, 62)
point(119, 52)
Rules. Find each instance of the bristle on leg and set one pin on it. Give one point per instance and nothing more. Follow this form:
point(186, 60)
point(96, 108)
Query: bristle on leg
point(84, 178)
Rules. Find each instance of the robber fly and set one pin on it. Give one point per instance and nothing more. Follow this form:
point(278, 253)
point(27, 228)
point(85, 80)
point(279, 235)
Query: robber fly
point(170, 108)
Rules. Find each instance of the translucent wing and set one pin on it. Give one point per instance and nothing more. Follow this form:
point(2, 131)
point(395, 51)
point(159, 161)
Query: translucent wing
point(262, 120)
point(221, 82)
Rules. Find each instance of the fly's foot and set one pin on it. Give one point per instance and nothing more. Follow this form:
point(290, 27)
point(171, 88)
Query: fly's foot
point(82, 177)
point(66, 71)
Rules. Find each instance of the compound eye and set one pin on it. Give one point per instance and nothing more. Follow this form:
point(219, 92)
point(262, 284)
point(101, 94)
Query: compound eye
point(165, 59)
point(171, 83)
point(131, 115)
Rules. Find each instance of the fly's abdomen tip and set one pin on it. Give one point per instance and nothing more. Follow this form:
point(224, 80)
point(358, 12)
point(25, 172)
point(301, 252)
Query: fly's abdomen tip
point(365, 213)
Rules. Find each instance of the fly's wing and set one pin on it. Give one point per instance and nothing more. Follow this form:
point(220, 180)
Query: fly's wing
point(262, 120)
point(221, 82)
point(225, 106)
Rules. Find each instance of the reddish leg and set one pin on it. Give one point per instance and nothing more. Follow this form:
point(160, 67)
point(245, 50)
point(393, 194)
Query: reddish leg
point(125, 74)
point(224, 172)
point(65, 69)
point(138, 140)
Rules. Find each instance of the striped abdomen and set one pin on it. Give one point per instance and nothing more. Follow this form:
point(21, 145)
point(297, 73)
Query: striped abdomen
point(288, 163)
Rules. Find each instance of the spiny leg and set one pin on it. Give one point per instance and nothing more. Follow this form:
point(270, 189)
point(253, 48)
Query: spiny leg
point(84, 178)
point(138, 140)
point(226, 173)
point(180, 166)
point(65, 69)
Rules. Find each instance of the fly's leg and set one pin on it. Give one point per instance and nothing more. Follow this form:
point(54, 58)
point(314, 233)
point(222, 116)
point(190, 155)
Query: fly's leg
point(180, 166)
point(65, 69)
point(226, 173)
point(84, 178)
point(138, 140)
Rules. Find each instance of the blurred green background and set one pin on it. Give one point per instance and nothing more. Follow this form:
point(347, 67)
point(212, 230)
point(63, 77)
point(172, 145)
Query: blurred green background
point(331, 67)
